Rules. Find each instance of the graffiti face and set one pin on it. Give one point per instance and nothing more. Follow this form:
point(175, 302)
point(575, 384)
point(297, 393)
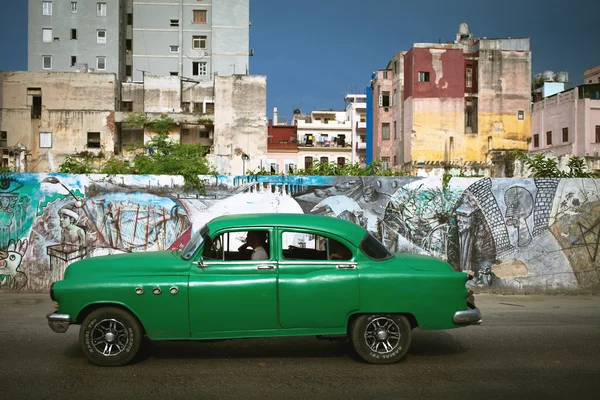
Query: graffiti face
point(10, 262)
point(519, 205)
point(65, 221)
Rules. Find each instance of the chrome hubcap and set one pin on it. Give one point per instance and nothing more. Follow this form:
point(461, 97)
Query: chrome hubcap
point(109, 337)
point(382, 335)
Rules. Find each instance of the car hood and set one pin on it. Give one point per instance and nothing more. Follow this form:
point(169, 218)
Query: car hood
point(130, 264)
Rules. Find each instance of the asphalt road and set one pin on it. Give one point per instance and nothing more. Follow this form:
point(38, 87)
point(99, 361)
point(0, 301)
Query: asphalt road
point(530, 347)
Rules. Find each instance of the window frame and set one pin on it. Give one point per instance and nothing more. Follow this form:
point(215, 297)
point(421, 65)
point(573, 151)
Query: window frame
point(100, 40)
point(211, 239)
point(46, 38)
point(40, 140)
point(88, 140)
point(199, 38)
point(43, 62)
point(199, 12)
point(352, 249)
point(98, 58)
point(383, 131)
point(74, 7)
point(101, 9)
point(201, 68)
point(47, 8)
point(423, 76)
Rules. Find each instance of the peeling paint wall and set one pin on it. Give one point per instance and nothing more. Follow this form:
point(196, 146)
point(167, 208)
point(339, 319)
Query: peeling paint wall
point(162, 94)
point(241, 125)
point(72, 105)
point(508, 233)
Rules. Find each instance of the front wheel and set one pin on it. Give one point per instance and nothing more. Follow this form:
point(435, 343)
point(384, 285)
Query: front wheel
point(110, 337)
point(381, 338)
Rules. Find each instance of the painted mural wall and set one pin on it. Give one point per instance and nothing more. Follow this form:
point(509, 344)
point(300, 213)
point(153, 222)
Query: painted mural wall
point(509, 233)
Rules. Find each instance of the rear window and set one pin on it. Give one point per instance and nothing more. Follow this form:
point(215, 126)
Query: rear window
point(374, 248)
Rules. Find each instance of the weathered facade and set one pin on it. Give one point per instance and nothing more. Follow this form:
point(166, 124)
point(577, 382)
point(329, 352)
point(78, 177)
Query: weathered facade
point(465, 105)
point(356, 110)
point(384, 141)
point(240, 135)
point(45, 117)
point(509, 233)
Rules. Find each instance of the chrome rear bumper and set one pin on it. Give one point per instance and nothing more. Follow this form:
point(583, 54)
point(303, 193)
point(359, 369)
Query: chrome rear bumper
point(59, 323)
point(468, 317)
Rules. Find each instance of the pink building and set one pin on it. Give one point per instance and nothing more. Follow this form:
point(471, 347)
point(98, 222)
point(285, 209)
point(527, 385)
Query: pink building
point(568, 123)
point(385, 140)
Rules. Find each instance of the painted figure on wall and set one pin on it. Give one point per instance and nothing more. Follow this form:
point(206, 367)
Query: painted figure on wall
point(519, 207)
point(71, 233)
point(11, 276)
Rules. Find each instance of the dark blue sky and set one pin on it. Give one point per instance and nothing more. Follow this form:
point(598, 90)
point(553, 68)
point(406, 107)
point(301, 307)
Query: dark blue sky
point(313, 52)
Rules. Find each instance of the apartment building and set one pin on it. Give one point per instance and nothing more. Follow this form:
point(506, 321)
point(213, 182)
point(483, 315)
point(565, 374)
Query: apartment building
point(592, 75)
point(568, 123)
point(356, 111)
point(195, 39)
point(324, 136)
point(69, 36)
point(465, 105)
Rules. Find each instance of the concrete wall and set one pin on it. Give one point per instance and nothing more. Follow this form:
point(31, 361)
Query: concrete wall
point(240, 123)
point(72, 105)
point(85, 47)
point(509, 233)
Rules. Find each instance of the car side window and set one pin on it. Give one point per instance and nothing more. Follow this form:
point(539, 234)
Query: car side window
point(305, 246)
point(238, 246)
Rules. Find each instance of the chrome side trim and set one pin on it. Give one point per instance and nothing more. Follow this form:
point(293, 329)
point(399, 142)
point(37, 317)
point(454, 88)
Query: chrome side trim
point(468, 317)
point(59, 323)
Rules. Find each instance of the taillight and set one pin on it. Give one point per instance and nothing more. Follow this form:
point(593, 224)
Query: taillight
point(470, 277)
point(470, 293)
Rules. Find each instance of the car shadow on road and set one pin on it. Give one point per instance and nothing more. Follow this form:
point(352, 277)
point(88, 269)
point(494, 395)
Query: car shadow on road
point(435, 343)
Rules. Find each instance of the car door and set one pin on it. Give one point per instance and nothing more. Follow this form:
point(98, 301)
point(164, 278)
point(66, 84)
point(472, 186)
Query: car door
point(314, 290)
point(230, 294)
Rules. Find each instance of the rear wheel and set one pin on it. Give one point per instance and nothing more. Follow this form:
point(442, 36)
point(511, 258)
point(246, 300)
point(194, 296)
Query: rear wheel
point(110, 337)
point(381, 338)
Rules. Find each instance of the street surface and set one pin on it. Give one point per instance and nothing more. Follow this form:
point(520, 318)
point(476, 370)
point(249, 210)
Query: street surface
point(529, 347)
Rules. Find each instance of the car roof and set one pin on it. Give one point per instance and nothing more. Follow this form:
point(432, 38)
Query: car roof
point(336, 226)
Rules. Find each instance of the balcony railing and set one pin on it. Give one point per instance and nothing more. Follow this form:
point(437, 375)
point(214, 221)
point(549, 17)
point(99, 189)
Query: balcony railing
point(361, 125)
point(361, 146)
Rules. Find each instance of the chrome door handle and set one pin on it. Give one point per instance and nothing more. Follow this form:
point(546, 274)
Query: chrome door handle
point(265, 267)
point(346, 266)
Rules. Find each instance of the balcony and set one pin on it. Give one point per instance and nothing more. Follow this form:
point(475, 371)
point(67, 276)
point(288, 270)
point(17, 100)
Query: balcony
point(361, 145)
point(361, 125)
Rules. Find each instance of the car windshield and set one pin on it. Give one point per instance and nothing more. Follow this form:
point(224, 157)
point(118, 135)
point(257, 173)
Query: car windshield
point(195, 242)
point(374, 248)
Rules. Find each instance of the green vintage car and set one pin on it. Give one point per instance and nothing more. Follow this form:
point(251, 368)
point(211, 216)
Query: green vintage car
point(262, 275)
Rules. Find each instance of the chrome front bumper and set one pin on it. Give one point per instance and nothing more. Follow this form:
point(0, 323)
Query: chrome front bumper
point(468, 317)
point(59, 323)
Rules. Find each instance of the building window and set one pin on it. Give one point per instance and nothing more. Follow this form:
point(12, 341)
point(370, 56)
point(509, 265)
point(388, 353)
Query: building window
point(489, 143)
point(385, 131)
point(385, 162)
point(395, 67)
point(3, 139)
point(93, 140)
point(395, 161)
point(47, 35)
point(45, 140)
point(101, 36)
point(73, 61)
point(129, 19)
point(423, 76)
point(174, 49)
point(199, 68)
point(385, 74)
point(173, 73)
point(101, 9)
point(341, 161)
point(73, 6)
point(127, 106)
point(536, 140)
point(199, 16)
point(101, 63)
point(395, 132)
point(174, 22)
point(128, 71)
point(47, 8)
point(469, 77)
point(308, 162)
point(128, 44)
point(548, 138)
point(597, 133)
point(363, 118)
point(385, 99)
point(73, 34)
point(521, 115)
point(565, 135)
point(324, 160)
point(46, 62)
point(199, 42)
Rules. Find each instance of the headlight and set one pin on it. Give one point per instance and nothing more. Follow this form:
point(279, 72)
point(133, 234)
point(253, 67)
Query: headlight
point(52, 292)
